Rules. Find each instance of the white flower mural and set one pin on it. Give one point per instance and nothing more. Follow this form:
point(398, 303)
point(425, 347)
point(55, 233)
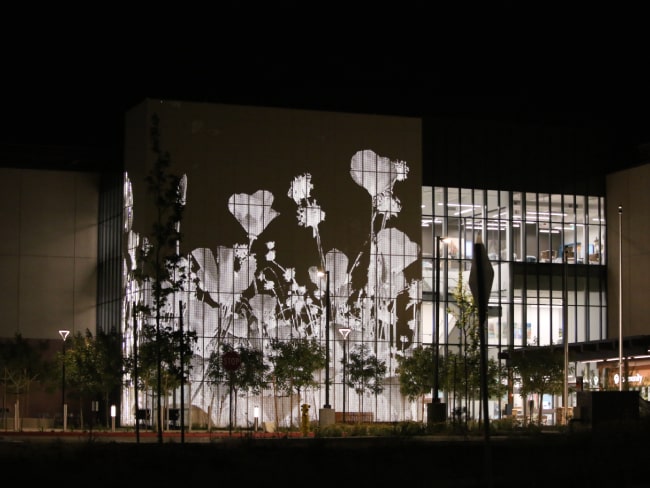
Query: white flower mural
point(245, 294)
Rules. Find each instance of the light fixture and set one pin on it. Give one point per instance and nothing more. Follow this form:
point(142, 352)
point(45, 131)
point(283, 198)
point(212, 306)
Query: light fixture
point(64, 335)
point(436, 383)
point(327, 337)
point(345, 332)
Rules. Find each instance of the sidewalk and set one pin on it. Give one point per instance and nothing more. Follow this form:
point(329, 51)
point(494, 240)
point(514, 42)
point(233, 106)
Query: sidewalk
point(122, 435)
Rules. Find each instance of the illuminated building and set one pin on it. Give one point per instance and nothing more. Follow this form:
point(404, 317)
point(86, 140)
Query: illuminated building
point(273, 195)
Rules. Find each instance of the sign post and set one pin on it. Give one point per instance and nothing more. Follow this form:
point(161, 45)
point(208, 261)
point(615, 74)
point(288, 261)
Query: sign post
point(480, 282)
point(231, 362)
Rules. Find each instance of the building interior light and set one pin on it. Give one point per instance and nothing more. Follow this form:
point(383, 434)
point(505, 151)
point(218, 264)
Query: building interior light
point(546, 214)
point(450, 204)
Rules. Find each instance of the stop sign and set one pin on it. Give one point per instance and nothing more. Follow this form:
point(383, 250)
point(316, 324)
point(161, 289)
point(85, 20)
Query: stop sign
point(231, 360)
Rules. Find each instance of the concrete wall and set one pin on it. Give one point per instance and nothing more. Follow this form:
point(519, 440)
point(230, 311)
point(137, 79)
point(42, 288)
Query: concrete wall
point(48, 252)
point(273, 196)
point(631, 190)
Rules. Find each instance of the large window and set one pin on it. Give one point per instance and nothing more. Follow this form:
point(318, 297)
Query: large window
point(540, 245)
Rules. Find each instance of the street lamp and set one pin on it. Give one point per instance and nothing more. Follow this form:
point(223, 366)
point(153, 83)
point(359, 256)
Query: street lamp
point(326, 414)
point(620, 298)
point(436, 383)
point(64, 335)
point(327, 339)
point(438, 409)
point(344, 331)
point(565, 335)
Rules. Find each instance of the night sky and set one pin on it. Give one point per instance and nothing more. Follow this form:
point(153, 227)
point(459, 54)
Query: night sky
point(55, 96)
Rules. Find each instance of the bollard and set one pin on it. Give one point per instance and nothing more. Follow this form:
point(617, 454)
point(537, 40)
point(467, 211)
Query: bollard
point(305, 419)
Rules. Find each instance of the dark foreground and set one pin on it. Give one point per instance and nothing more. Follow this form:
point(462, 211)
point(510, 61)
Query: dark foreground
point(547, 460)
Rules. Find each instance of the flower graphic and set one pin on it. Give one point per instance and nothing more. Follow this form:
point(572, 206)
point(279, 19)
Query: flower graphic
point(247, 293)
point(253, 212)
point(224, 277)
point(375, 173)
point(300, 188)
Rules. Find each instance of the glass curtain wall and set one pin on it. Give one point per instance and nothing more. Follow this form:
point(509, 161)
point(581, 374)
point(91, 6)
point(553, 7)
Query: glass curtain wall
point(532, 239)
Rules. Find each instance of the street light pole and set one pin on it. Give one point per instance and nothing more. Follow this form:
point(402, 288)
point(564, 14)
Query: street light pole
point(344, 331)
point(620, 298)
point(436, 384)
point(326, 414)
point(64, 335)
point(327, 340)
point(565, 335)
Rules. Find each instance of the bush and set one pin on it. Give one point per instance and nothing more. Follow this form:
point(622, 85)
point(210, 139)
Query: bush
point(503, 425)
point(334, 430)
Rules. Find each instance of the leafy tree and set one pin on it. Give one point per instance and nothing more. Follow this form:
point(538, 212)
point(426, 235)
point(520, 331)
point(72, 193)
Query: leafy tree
point(416, 374)
point(541, 371)
point(250, 377)
point(294, 363)
point(22, 364)
point(159, 365)
point(110, 364)
point(94, 367)
point(216, 374)
point(461, 374)
point(160, 263)
point(461, 371)
point(147, 360)
point(366, 372)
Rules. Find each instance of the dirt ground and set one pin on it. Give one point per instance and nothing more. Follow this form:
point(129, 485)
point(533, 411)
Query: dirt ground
point(528, 462)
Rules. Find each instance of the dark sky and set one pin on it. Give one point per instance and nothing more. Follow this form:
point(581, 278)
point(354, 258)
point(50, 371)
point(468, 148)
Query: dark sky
point(69, 98)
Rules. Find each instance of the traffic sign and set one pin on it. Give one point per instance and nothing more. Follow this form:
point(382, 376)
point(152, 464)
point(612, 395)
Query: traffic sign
point(481, 277)
point(231, 361)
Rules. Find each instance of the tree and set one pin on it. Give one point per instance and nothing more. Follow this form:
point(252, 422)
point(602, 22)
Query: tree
point(461, 371)
point(160, 263)
point(159, 365)
point(416, 374)
point(540, 370)
point(21, 362)
point(366, 372)
point(94, 367)
point(110, 364)
point(251, 376)
point(294, 363)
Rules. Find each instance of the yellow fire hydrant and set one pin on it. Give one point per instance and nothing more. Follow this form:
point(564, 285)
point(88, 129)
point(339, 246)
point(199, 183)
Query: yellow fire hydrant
point(304, 424)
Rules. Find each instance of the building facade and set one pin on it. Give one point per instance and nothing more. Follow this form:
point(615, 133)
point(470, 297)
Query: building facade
point(274, 196)
point(548, 256)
